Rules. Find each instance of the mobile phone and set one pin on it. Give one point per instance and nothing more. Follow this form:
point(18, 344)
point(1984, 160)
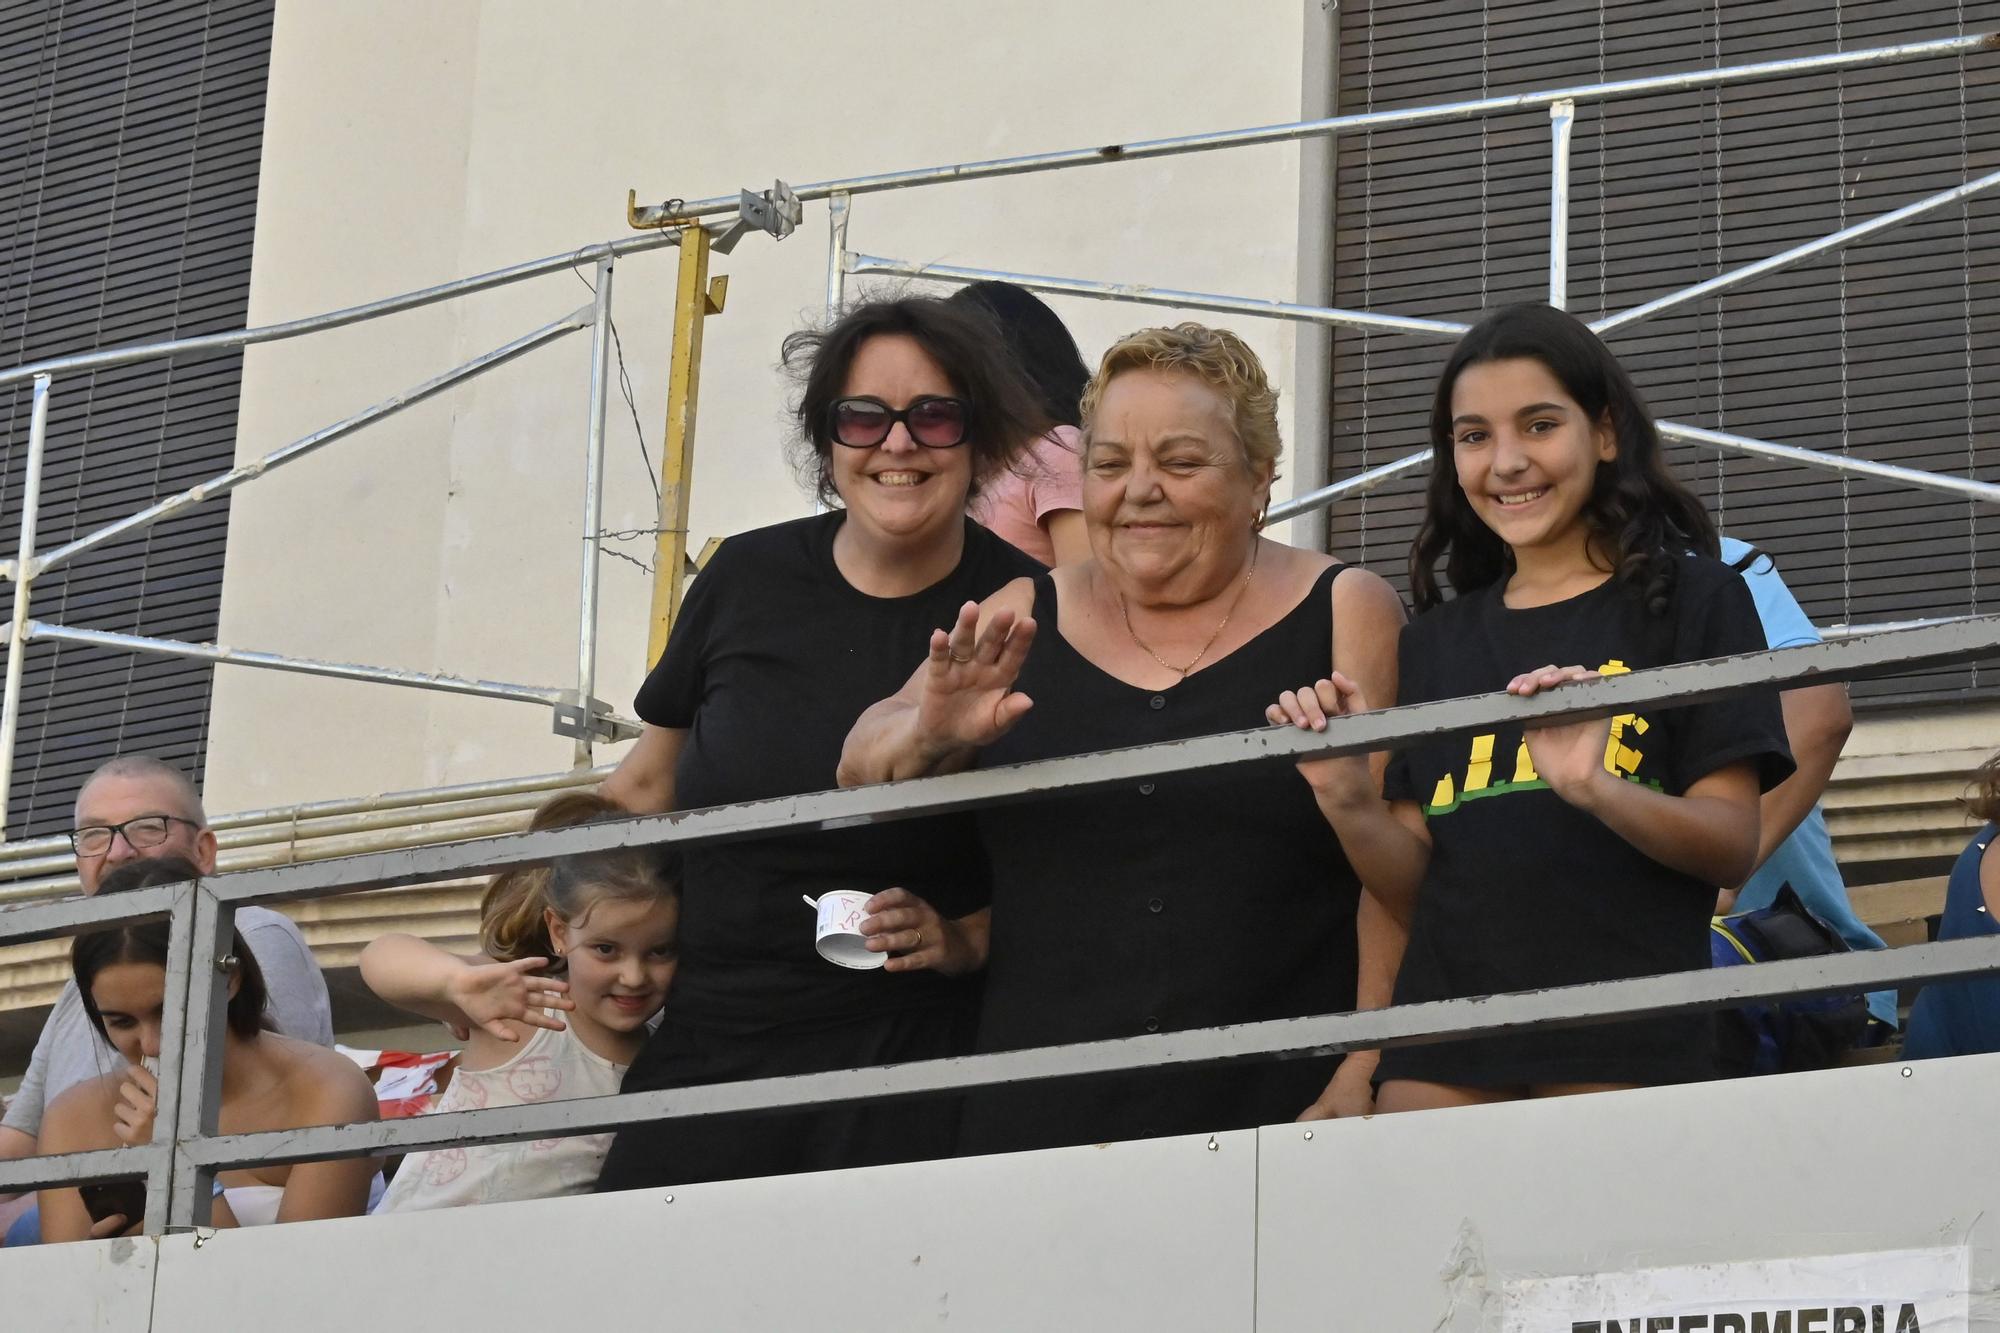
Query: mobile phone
point(120, 1196)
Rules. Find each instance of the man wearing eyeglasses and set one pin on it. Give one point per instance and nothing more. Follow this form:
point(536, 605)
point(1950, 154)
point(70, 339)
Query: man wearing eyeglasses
point(137, 808)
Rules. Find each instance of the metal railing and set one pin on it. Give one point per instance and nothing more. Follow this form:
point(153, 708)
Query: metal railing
point(180, 1164)
point(578, 713)
point(722, 219)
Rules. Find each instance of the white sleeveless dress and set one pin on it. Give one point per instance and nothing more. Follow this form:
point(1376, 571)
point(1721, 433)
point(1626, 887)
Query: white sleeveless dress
point(551, 1066)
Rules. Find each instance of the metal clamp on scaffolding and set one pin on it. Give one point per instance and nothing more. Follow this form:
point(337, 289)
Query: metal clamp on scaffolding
point(588, 720)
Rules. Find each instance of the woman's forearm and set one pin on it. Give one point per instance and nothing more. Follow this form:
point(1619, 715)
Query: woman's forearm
point(1387, 854)
point(1711, 837)
point(886, 746)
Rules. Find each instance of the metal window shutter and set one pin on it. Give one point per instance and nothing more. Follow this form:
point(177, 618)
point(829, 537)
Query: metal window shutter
point(129, 142)
point(1883, 349)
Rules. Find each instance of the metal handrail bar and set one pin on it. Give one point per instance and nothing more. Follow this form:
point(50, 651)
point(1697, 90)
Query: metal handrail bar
point(306, 444)
point(1915, 478)
point(1282, 1038)
point(47, 921)
point(1680, 684)
point(1314, 1036)
point(1146, 294)
point(1290, 131)
point(80, 1168)
point(210, 343)
point(203, 914)
point(1798, 253)
point(1359, 484)
point(1985, 492)
point(215, 652)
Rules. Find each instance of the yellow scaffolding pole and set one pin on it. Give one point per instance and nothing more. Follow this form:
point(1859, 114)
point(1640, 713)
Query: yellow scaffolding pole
point(696, 298)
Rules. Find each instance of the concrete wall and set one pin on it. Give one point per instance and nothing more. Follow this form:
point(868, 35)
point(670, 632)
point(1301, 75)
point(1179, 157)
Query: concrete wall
point(408, 145)
point(1441, 1220)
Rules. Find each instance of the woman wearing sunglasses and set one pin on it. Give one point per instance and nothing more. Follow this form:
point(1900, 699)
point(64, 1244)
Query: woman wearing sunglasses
point(789, 632)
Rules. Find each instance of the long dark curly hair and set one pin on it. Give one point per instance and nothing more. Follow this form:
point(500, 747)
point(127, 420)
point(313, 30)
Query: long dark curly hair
point(1639, 516)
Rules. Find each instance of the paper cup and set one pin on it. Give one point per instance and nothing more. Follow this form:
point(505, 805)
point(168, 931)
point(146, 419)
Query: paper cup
point(837, 929)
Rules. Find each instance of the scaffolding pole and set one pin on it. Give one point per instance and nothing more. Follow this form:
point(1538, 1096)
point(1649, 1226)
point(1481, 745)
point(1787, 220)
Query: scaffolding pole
point(1562, 118)
point(694, 302)
point(25, 570)
point(593, 510)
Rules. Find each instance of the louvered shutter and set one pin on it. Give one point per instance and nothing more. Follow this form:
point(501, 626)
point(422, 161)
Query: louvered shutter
point(129, 146)
point(1881, 349)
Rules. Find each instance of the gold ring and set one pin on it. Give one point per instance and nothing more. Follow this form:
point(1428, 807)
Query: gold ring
point(956, 658)
point(920, 942)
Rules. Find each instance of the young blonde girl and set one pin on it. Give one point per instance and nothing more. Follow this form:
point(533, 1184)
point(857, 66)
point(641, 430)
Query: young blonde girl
point(578, 956)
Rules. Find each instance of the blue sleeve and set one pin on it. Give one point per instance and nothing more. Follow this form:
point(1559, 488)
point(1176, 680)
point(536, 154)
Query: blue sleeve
point(1784, 620)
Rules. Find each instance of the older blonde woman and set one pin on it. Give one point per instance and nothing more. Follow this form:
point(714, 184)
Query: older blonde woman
point(1182, 902)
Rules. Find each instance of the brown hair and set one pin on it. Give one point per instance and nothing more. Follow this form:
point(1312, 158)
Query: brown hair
point(1984, 801)
point(1004, 415)
point(513, 922)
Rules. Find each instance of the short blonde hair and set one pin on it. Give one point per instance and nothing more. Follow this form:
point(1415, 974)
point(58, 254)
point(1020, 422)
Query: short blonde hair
point(1220, 360)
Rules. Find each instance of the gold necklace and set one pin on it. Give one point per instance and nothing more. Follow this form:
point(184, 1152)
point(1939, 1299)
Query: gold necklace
point(1256, 546)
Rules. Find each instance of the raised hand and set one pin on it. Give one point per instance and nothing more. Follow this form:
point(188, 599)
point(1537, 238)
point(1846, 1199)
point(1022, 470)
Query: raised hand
point(1569, 756)
point(1344, 778)
point(138, 1099)
point(506, 999)
point(968, 698)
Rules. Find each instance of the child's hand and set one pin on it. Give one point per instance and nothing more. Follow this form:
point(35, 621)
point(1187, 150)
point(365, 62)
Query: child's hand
point(138, 1098)
point(506, 999)
point(1343, 779)
point(1569, 756)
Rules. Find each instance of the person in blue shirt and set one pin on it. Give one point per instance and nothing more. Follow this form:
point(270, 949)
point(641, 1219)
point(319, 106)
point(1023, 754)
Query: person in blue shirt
point(1794, 846)
point(1963, 1017)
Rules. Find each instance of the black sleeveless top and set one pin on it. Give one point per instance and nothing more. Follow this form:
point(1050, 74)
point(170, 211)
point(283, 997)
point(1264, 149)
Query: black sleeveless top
point(1183, 902)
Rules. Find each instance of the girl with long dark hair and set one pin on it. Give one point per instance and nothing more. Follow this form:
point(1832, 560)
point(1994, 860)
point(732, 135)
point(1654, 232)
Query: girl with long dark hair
point(1555, 854)
point(269, 1082)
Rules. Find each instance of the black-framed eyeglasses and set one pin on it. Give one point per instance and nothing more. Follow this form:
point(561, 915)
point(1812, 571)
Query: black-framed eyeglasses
point(933, 422)
point(141, 832)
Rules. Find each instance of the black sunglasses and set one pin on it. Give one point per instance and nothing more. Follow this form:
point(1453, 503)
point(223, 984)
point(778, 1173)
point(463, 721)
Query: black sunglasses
point(934, 423)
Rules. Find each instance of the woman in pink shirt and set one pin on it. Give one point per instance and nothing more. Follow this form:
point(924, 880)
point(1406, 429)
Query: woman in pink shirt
point(1037, 506)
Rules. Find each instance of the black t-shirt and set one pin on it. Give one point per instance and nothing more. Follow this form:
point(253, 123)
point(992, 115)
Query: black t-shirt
point(772, 659)
point(1524, 890)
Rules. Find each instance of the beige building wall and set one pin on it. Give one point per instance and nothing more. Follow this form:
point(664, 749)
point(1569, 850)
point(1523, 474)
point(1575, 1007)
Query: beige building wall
point(406, 145)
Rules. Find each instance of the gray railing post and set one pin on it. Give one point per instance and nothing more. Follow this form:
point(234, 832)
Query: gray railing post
point(198, 1101)
point(173, 1052)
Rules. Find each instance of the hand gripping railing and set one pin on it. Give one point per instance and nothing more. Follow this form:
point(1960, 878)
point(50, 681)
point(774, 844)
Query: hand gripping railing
point(187, 1151)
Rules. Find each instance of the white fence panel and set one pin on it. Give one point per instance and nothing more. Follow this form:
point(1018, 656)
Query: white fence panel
point(1155, 1236)
point(105, 1286)
point(1422, 1221)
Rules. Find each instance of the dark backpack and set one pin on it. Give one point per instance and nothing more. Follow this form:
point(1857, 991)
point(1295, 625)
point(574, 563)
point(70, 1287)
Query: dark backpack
point(1785, 1035)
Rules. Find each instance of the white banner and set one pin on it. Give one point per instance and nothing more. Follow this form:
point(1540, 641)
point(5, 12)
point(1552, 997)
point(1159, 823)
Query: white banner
point(1895, 1291)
